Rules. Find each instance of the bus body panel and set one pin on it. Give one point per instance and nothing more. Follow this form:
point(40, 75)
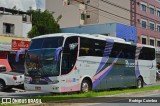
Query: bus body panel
point(147, 70)
point(110, 69)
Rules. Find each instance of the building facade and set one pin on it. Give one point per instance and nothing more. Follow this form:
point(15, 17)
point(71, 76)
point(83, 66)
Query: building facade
point(14, 23)
point(146, 18)
point(85, 12)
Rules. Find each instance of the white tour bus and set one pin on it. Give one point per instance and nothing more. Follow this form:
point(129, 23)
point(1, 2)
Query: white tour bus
point(67, 62)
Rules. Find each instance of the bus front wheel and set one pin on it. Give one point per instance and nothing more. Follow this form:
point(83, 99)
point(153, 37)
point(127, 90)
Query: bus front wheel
point(139, 83)
point(85, 86)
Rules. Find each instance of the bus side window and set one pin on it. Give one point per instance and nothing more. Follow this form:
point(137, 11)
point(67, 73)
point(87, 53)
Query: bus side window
point(121, 54)
point(116, 50)
point(147, 54)
point(91, 47)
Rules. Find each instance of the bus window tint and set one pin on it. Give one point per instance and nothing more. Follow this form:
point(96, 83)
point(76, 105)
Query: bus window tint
point(123, 51)
point(91, 47)
point(147, 54)
point(36, 44)
point(99, 47)
point(129, 51)
point(86, 46)
point(53, 42)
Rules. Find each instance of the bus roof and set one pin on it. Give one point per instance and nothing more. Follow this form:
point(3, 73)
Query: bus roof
point(150, 46)
point(93, 36)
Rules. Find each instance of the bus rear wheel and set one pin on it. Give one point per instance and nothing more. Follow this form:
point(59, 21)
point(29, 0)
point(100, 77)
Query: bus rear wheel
point(139, 83)
point(85, 86)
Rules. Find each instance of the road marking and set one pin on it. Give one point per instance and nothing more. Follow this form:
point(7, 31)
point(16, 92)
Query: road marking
point(18, 90)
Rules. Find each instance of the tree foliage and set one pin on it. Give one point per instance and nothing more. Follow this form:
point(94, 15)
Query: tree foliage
point(43, 23)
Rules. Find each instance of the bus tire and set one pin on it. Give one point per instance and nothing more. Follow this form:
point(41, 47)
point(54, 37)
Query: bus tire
point(2, 85)
point(139, 82)
point(85, 86)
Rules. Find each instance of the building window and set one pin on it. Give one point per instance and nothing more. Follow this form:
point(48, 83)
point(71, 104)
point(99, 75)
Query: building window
point(24, 18)
point(151, 9)
point(8, 28)
point(83, 16)
point(88, 16)
point(158, 12)
point(144, 40)
point(158, 27)
point(151, 25)
point(158, 43)
point(151, 41)
point(144, 23)
point(143, 6)
point(88, 1)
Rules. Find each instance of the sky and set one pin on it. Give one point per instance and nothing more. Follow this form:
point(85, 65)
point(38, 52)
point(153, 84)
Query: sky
point(23, 5)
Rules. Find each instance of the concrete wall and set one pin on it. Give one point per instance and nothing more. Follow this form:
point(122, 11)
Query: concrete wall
point(108, 18)
point(113, 29)
point(91, 29)
point(92, 12)
point(70, 13)
point(12, 19)
point(26, 28)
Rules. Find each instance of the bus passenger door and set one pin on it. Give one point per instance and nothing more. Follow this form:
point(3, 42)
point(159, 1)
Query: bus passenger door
point(69, 57)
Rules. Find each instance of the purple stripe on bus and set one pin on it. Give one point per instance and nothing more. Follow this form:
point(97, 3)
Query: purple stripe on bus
point(137, 70)
point(103, 62)
point(96, 82)
point(107, 51)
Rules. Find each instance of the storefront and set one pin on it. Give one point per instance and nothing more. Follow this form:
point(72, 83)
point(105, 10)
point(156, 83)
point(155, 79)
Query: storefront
point(8, 51)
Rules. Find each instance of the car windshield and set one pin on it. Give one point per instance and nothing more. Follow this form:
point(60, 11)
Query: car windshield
point(42, 58)
point(2, 68)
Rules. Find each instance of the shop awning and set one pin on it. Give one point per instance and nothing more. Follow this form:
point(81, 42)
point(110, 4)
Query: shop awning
point(4, 47)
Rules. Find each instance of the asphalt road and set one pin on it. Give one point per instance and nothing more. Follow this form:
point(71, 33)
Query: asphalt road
point(144, 100)
point(115, 100)
point(18, 93)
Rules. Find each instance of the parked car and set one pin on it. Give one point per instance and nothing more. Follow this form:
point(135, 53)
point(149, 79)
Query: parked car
point(10, 79)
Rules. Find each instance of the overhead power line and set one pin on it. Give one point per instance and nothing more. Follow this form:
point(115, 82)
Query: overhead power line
point(157, 29)
point(103, 10)
point(111, 3)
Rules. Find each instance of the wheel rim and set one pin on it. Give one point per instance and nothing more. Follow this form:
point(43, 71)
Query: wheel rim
point(85, 87)
point(139, 83)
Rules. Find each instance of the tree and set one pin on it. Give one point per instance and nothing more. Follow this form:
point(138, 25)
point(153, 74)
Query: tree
point(43, 23)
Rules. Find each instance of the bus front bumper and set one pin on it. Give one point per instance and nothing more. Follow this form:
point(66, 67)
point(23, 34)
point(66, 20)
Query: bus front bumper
point(46, 88)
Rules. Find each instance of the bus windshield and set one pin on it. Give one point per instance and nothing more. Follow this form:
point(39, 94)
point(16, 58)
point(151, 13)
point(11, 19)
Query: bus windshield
point(43, 57)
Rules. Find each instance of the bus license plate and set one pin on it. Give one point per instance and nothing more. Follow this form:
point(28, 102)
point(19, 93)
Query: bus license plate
point(37, 88)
